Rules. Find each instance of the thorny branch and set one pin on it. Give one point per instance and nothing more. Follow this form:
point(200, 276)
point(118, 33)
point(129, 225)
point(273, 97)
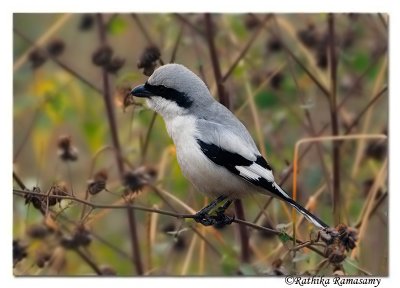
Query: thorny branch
point(151, 210)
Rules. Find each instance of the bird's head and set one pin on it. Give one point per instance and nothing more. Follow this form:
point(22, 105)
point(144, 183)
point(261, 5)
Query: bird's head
point(174, 90)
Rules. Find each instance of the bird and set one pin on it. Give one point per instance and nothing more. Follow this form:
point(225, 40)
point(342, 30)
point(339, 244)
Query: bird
point(214, 150)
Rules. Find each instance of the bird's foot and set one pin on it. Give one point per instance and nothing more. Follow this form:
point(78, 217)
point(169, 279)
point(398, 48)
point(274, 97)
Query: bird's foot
point(221, 219)
point(204, 219)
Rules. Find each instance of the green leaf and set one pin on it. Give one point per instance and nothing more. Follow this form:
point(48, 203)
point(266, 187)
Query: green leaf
point(230, 264)
point(361, 62)
point(94, 133)
point(266, 99)
point(117, 26)
point(284, 237)
point(237, 26)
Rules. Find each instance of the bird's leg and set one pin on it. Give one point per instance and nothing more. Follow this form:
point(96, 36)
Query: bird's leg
point(203, 217)
point(221, 218)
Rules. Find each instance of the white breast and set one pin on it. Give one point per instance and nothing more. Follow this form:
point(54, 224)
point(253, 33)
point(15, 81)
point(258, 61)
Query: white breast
point(206, 176)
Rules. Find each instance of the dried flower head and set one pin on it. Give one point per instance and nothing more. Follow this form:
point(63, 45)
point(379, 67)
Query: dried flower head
point(308, 36)
point(19, 251)
point(56, 47)
point(251, 22)
point(141, 176)
point(66, 151)
point(98, 183)
point(148, 59)
point(86, 22)
point(37, 58)
point(102, 56)
point(115, 65)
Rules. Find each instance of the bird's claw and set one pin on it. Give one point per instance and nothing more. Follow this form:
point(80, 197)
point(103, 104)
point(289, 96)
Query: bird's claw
point(219, 220)
point(204, 219)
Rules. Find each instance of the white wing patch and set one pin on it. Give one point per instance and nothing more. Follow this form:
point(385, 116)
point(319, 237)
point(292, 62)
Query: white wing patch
point(281, 190)
point(246, 173)
point(255, 172)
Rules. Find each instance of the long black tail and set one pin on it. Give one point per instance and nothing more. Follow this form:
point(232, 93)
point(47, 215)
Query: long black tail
point(278, 191)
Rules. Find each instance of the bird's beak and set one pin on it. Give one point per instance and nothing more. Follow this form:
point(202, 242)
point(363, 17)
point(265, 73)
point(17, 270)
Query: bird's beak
point(141, 91)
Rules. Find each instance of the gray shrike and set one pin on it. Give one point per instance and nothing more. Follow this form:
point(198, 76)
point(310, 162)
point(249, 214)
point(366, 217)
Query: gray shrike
point(214, 149)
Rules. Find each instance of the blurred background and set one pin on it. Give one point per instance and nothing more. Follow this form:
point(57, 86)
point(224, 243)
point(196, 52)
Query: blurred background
point(286, 77)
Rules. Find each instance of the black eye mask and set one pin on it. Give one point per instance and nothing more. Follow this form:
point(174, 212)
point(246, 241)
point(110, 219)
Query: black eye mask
point(169, 94)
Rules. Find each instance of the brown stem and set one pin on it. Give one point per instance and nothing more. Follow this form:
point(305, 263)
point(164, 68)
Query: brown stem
point(246, 48)
point(177, 42)
point(153, 210)
point(195, 28)
point(223, 97)
point(147, 139)
point(60, 63)
point(243, 232)
point(334, 120)
point(89, 261)
point(19, 181)
point(308, 147)
point(120, 163)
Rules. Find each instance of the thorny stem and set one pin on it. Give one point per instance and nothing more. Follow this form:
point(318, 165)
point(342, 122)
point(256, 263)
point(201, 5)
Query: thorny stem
point(113, 127)
point(223, 97)
point(334, 120)
point(154, 210)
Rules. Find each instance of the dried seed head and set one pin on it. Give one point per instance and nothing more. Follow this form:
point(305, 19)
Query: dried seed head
point(56, 47)
point(115, 64)
point(274, 44)
point(98, 183)
point(37, 58)
point(66, 151)
point(36, 200)
point(141, 176)
point(276, 80)
point(377, 150)
point(102, 56)
point(251, 22)
point(68, 242)
point(37, 231)
point(148, 59)
point(322, 58)
point(87, 22)
point(60, 189)
point(180, 242)
point(335, 254)
point(308, 36)
point(42, 258)
point(82, 236)
point(95, 187)
point(19, 251)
